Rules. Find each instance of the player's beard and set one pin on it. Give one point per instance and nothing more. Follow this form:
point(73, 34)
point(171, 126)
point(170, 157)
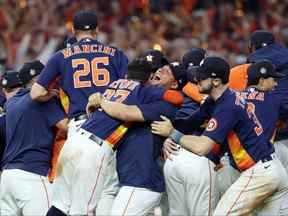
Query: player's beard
point(206, 89)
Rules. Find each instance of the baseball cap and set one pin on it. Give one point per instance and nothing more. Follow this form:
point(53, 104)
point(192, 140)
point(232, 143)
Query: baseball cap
point(179, 73)
point(262, 69)
point(139, 69)
point(30, 70)
point(156, 58)
point(85, 20)
point(10, 80)
point(193, 57)
point(213, 67)
point(261, 38)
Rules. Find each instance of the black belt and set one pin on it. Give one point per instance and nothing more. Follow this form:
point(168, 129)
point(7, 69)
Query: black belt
point(81, 117)
point(96, 139)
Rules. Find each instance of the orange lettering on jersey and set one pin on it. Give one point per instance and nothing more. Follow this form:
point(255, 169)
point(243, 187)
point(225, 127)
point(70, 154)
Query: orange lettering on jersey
point(77, 50)
point(67, 52)
point(107, 50)
point(86, 48)
point(94, 48)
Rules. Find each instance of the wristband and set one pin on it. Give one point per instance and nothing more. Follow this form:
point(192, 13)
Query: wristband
point(176, 135)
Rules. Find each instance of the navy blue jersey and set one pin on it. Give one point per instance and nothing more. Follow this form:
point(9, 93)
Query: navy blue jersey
point(233, 118)
point(268, 107)
point(29, 135)
point(139, 150)
point(125, 91)
point(84, 68)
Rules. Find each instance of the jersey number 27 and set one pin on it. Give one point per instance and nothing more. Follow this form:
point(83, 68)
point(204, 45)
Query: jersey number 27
point(100, 76)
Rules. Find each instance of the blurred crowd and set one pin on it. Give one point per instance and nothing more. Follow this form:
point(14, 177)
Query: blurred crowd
point(34, 29)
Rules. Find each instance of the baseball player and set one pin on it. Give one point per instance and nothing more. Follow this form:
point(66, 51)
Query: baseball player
point(140, 178)
point(111, 188)
point(85, 67)
point(191, 188)
point(99, 136)
point(262, 174)
point(25, 189)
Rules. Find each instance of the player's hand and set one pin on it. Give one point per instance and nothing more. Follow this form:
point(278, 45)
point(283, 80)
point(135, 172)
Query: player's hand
point(170, 148)
point(94, 102)
point(162, 128)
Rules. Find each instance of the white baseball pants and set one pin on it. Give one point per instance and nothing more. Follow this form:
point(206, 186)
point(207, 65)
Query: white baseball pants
point(82, 168)
point(24, 193)
point(253, 188)
point(190, 184)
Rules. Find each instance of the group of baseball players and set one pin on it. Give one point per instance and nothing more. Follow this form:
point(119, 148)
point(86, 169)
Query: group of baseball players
point(194, 137)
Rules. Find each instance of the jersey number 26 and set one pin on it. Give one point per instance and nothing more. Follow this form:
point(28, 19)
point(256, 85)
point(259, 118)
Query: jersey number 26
point(100, 76)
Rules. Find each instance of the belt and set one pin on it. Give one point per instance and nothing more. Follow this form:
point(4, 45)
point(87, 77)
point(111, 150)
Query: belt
point(96, 139)
point(81, 117)
point(267, 158)
point(91, 136)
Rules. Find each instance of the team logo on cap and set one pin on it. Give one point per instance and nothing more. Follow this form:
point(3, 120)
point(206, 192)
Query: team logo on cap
point(191, 64)
point(87, 27)
point(32, 72)
point(149, 58)
point(212, 125)
point(4, 82)
point(175, 64)
point(263, 70)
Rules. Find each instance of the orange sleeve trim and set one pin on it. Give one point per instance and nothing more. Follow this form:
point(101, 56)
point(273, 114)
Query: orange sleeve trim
point(191, 90)
point(174, 97)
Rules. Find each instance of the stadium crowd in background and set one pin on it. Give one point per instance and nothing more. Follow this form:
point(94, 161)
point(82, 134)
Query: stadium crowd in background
point(32, 29)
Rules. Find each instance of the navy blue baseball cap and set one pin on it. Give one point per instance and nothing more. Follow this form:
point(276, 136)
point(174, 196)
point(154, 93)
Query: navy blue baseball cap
point(85, 20)
point(10, 80)
point(70, 41)
point(156, 58)
point(179, 73)
point(213, 67)
point(139, 69)
point(261, 38)
point(262, 69)
point(193, 57)
point(30, 70)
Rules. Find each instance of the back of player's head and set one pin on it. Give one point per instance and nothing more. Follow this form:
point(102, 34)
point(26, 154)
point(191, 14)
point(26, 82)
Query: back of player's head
point(30, 70)
point(179, 74)
point(261, 38)
point(10, 80)
point(214, 67)
point(139, 69)
point(85, 20)
point(193, 57)
point(261, 69)
point(156, 58)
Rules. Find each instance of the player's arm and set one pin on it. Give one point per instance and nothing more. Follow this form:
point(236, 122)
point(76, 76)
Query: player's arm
point(40, 89)
point(62, 125)
point(130, 113)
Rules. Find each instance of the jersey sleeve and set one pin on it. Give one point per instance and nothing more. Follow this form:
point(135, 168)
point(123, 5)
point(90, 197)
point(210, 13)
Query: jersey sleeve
point(53, 111)
point(122, 64)
point(221, 122)
point(153, 111)
point(150, 94)
point(51, 70)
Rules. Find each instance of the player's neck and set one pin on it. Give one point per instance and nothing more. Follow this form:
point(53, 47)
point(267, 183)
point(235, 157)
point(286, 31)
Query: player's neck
point(217, 92)
point(84, 36)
